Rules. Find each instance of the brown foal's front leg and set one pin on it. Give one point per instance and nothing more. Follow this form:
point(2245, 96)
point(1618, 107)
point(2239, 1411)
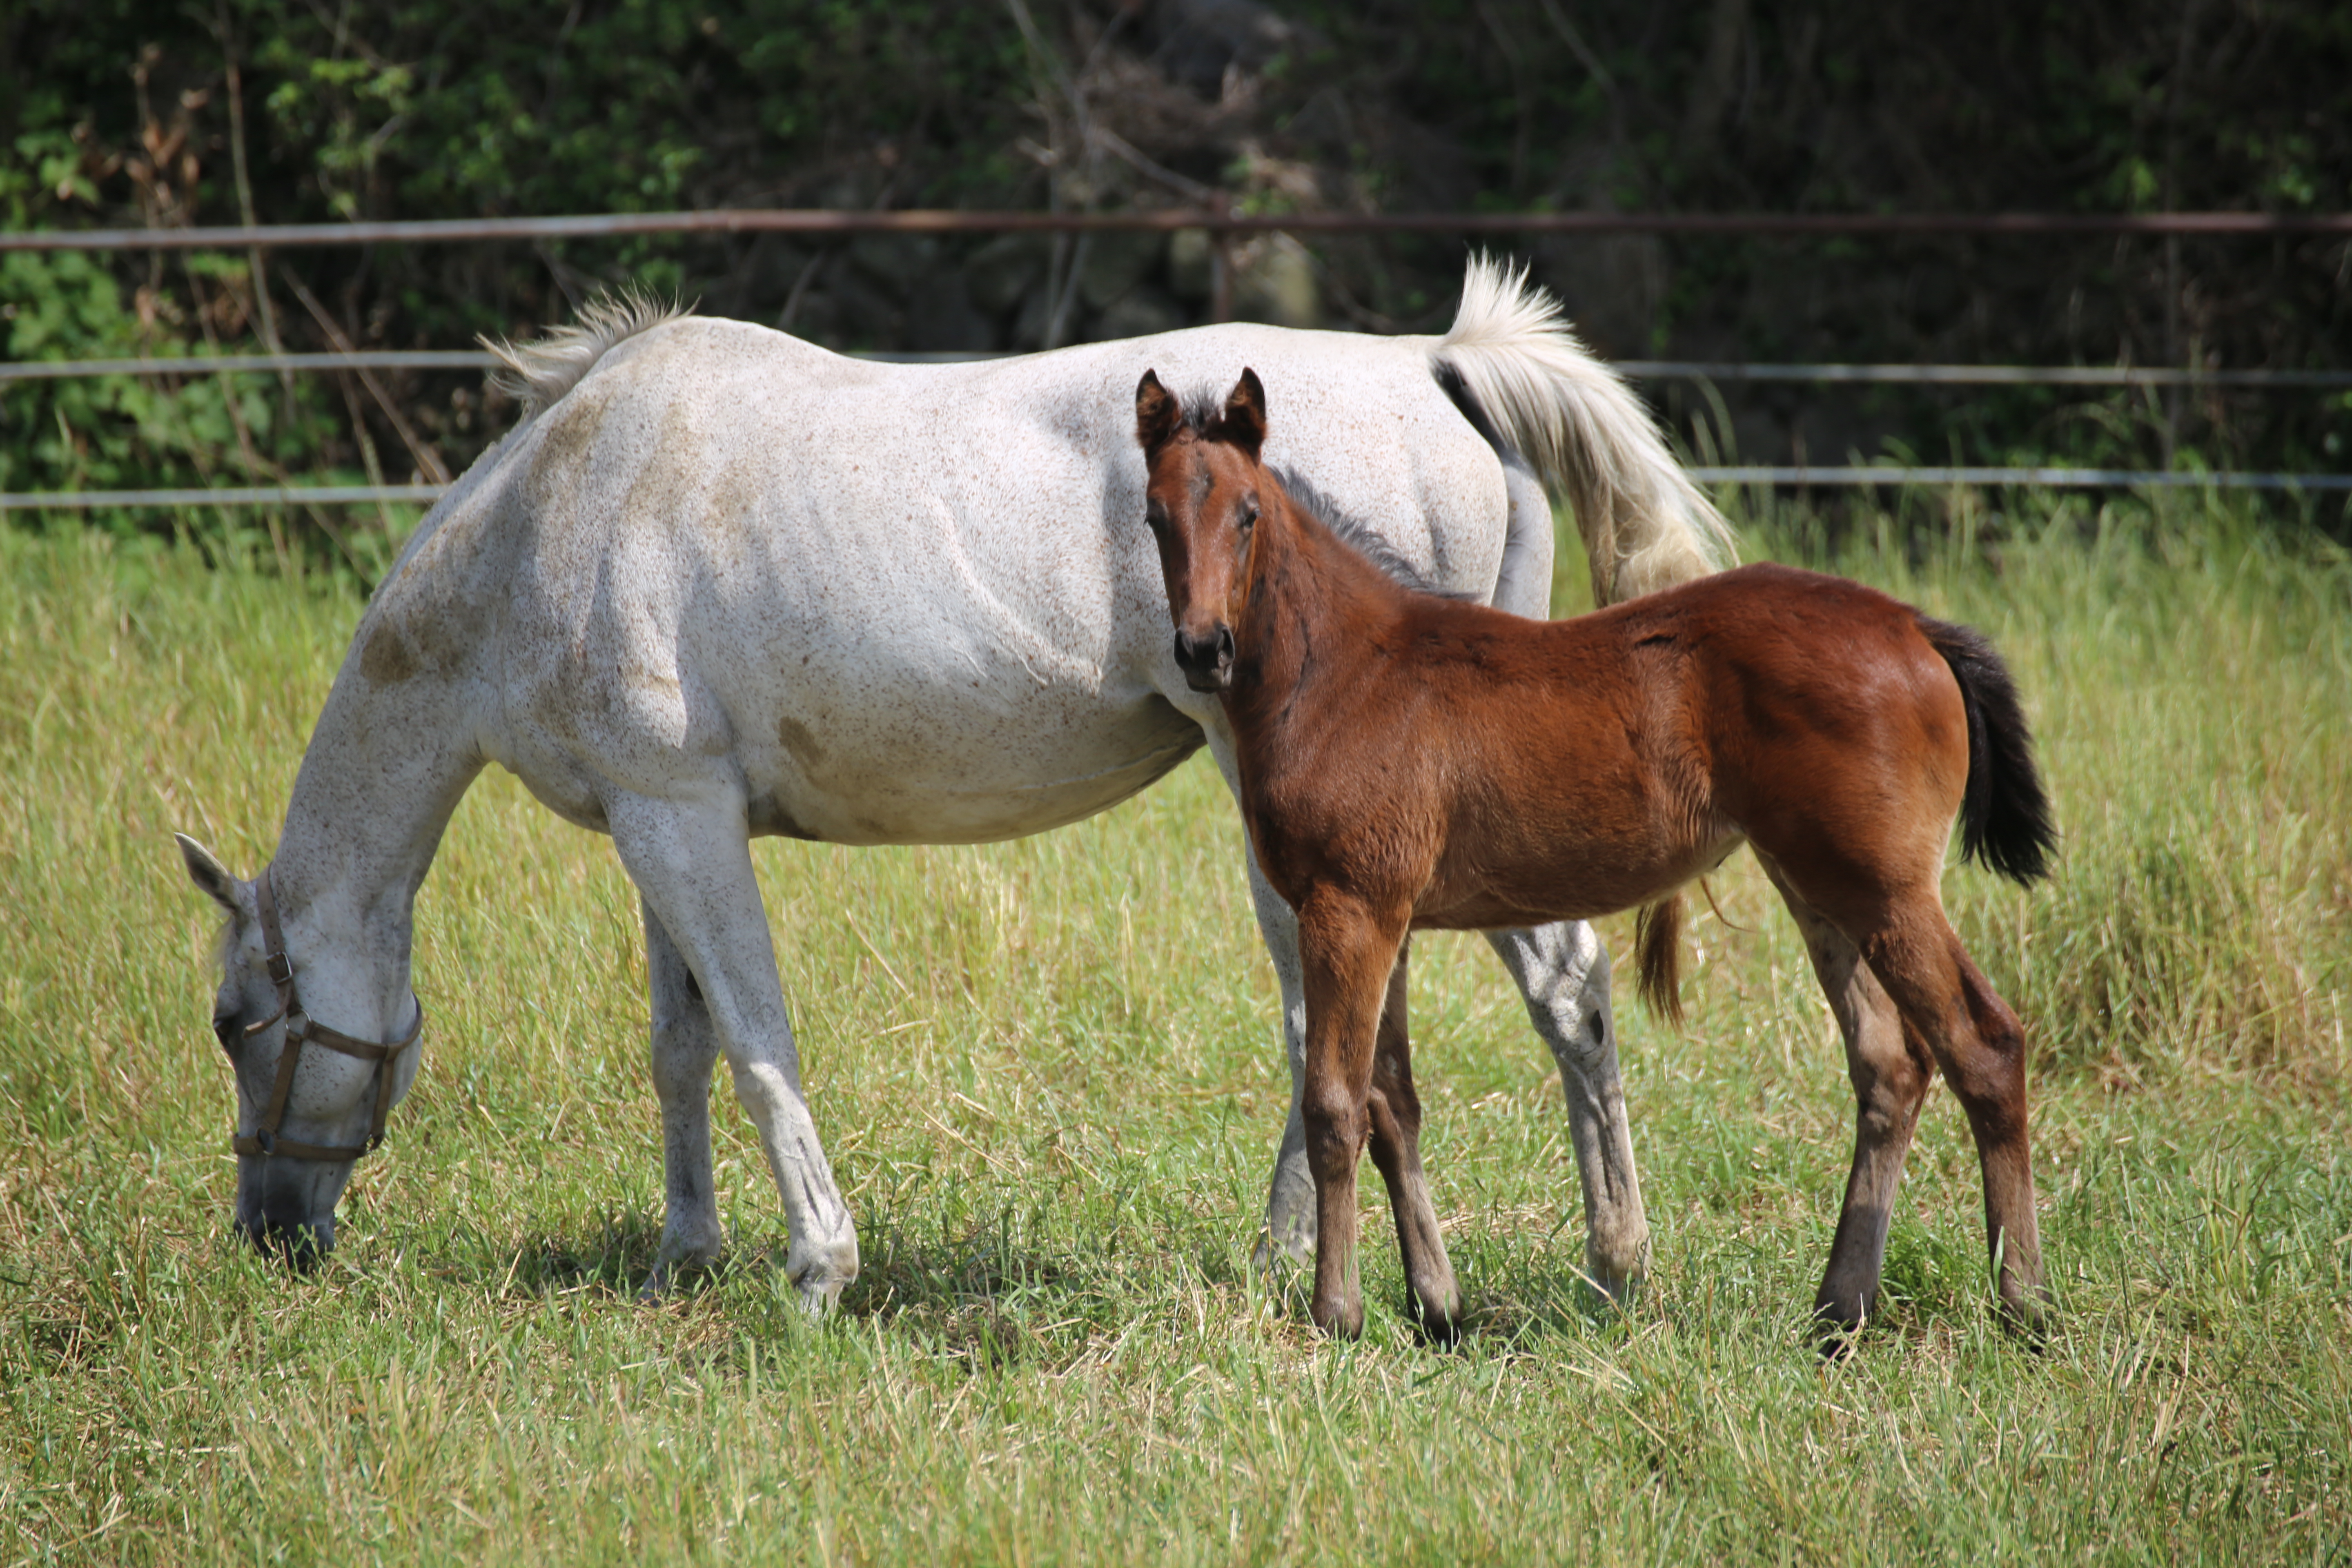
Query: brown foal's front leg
point(1347, 953)
point(1435, 1301)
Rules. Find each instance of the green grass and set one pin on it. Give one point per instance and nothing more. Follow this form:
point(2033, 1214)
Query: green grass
point(1047, 1075)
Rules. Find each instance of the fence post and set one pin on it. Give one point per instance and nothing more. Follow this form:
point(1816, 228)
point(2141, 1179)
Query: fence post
point(1221, 261)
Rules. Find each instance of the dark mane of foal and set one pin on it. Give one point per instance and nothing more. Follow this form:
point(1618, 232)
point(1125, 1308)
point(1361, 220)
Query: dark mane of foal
point(1358, 536)
point(1203, 411)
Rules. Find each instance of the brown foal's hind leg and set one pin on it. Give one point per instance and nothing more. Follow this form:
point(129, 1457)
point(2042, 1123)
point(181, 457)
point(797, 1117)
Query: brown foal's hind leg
point(1890, 1069)
point(1981, 1045)
point(1346, 956)
point(1435, 1300)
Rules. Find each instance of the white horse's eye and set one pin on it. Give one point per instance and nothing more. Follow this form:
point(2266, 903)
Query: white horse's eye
point(225, 1030)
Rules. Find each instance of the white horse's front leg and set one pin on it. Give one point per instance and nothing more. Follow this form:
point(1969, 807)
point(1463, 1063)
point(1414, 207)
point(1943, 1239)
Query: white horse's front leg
point(1563, 971)
point(685, 1048)
point(693, 864)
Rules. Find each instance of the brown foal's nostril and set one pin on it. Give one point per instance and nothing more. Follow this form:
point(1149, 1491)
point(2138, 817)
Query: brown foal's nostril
point(1207, 662)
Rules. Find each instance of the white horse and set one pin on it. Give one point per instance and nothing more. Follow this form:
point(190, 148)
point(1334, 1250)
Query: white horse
point(721, 583)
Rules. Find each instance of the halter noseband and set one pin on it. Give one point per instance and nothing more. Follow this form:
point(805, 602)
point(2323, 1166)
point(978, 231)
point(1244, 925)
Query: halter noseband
point(301, 1029)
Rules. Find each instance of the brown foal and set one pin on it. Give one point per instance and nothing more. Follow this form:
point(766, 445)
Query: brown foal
point(1408, 761)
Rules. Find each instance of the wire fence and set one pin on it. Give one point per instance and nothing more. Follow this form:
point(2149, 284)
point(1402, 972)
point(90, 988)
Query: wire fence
point(213, 364)
point(1220, 219)
point(1778, 477)
point(1216, 220)
point(1639, 369)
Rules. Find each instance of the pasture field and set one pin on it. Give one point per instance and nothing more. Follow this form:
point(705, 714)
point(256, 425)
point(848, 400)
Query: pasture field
point(1048, 1075)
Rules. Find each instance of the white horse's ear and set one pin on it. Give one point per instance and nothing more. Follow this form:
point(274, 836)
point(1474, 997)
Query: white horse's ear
point(1156, 413)
point(205, 870)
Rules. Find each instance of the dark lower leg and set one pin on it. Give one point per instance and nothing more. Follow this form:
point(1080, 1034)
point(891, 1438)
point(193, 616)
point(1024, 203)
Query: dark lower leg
point(1890, 1082)
point(1347, 955)
point(1395, 1112)
point(1334, 1141)
point(1981, 1047)
point(1890, 1069)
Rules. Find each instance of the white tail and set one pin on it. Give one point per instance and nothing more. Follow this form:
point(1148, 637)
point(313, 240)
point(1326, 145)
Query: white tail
point(537, 374)
point(1645, 525)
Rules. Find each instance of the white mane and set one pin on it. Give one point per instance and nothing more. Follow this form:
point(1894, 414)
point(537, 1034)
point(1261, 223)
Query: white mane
point(539, 372)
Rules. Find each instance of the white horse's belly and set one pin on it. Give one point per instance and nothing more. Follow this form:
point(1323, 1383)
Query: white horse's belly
point(844, 748)
point(939, 779)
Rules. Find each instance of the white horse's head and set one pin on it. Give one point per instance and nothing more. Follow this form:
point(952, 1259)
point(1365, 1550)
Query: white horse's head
point(297, 1138)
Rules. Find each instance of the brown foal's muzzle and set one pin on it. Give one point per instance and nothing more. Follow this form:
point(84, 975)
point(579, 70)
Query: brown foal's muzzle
point(1207, 661)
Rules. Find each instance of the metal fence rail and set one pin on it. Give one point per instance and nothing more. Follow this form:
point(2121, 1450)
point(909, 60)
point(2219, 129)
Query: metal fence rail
point(210, 364)
point(1215, 219)
point(1981, 374)
point(1778, 477)
point(2051, 478)
point(232, 495)
point(1639, 369)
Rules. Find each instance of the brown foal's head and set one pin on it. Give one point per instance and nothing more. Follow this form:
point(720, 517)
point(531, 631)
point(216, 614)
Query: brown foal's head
point(1202, 496)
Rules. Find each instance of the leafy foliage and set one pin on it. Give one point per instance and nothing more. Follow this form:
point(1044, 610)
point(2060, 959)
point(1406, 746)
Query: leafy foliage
point(119, 112)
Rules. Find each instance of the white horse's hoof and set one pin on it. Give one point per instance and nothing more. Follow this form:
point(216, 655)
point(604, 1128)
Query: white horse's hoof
point(669, 1273)
point(1619, 1278)
point(819, 1273)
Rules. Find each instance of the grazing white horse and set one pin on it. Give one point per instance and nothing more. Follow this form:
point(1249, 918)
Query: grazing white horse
point(721, 583)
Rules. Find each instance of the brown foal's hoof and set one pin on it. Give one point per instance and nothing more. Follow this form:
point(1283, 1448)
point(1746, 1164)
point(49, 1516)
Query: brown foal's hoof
point(2031, 1321)
point(1837, 1326)
point(1443, 1329)
point(1340, 1319)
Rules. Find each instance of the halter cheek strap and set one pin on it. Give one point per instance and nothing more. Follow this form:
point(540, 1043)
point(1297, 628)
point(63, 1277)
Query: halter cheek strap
point(303, 1030)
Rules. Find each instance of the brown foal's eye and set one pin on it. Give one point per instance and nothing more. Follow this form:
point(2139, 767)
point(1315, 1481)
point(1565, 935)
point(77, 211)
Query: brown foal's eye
point(1157, 516)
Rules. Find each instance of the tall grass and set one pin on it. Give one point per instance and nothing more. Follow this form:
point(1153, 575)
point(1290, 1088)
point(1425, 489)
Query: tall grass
point(1047, 1073)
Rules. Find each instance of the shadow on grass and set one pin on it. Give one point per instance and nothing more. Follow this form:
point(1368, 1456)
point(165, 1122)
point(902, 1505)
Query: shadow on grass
point(994, 1293)
point(984, 1292)
point(615, 1259)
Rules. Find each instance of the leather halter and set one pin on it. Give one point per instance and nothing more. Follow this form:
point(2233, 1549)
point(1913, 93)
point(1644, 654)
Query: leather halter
point(301, 1030)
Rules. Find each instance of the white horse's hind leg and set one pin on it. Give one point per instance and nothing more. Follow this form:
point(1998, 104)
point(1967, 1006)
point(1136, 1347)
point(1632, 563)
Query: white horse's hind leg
point(1290, 1197)
point(1563, 971)
point(693, 864)
point(685, 1048)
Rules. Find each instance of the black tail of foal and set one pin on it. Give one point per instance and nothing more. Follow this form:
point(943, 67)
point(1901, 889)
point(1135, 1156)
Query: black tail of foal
point(2005, 815)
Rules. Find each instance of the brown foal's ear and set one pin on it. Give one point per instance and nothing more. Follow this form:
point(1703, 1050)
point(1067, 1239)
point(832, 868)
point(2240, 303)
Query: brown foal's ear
point(1243, 424)
point(1156, 417)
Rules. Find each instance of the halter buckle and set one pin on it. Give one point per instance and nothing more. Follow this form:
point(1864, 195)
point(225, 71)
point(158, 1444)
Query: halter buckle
point(298, 1032)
